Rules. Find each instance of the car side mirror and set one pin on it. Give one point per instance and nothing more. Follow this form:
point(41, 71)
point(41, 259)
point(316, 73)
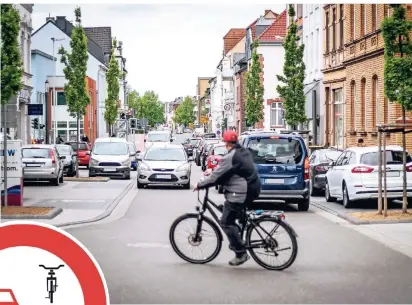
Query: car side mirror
point(145, 140)
point(62, 157)
point(138, 151)
point(139, 159)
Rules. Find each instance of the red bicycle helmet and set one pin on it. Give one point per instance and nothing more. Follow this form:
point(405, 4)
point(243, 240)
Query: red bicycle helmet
point(230, 136)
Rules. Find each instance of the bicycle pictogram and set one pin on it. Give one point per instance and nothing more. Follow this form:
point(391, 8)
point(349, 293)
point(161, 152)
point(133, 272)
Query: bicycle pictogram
point(51, 281)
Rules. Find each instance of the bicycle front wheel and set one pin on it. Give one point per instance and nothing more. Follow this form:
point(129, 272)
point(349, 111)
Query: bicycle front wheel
point(271, 244)
point(183, 237)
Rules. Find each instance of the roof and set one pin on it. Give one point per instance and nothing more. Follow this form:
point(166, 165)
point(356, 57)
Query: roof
point(166, 145)
point(38, 146)
point(119, 140)
point(276, 30)
point(232, 38)
point(102, 36)
point(41, 53)
point(270, 134)
point(159, 131)
point(369, 149)
point(252, 26)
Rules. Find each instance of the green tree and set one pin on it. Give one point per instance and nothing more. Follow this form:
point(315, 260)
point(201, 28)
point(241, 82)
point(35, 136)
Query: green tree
point(398, 66)
point(75, 72)
point(11, 63)
point(292, 92)
point(147, 106)
point(113, 76)
point(184, 112)
point(254, 90)
point(134, 102)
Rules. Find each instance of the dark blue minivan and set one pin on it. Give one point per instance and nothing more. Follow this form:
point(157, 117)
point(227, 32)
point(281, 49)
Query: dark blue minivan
point(282, 162)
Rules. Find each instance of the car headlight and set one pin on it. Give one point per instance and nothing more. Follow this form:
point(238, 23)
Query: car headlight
point(183, 168)
point(126, 162)
point(94, 162)
point(144, 167)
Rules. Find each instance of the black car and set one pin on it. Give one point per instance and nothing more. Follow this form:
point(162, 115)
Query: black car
point(68, 157)
point(190, 144)
point(319, 165)
point(199, 151)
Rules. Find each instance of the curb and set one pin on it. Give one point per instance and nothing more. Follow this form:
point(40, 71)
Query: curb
point(356, 221)
point(72, 179)
point(106, 213)
point(53, 213)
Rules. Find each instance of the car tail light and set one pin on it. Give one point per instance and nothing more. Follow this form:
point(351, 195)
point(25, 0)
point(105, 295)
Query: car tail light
point(306, 175)
point(409, 168)
point(52, 156)
point(362, 170)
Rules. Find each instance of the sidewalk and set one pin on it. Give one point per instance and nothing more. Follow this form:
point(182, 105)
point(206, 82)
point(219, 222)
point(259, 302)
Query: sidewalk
point(81, 201)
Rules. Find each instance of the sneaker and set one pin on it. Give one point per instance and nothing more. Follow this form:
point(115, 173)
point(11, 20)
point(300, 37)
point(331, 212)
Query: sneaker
point(239, 260)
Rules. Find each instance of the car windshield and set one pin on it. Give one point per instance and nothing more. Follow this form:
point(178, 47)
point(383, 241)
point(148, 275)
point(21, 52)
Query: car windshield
point(64, 149)
point(41, 153)
point(194, 142)
point(276, 151)
point(82, 146)
point(158, 137)
point(220, 150)
point(392, 157)
point(110, 148)
point(165, 154)
point(329, 155)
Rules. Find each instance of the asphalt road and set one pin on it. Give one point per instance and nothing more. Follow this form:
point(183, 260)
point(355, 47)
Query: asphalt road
point(334, 265)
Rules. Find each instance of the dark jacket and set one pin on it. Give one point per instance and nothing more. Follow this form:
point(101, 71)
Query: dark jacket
point(238, 175)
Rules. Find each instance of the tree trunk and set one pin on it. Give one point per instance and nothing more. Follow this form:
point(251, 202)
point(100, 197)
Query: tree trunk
point(405, 198)
point(77, 141)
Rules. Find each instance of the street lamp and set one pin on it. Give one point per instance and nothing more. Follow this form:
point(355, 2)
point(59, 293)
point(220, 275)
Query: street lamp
point(54, 122)
point(46, 100)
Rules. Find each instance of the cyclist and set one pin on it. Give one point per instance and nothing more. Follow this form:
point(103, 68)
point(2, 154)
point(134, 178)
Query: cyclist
point(238, 175)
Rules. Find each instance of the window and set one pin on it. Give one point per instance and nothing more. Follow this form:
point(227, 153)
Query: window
point(363, 104)
point(352, 158)
point(334, 29)
point(276, 114)
point(327, 33)
point(392, 157)
point(299, 10)
point(73, 124)
point(340, 159)
point(353, 104)
point(362, 20)
point(375, 101)
point(61, 98)
point(341, 33)
point(339, 117)
point(61, 124)
point(327, 156)
point(374, 12)
point(352, 22)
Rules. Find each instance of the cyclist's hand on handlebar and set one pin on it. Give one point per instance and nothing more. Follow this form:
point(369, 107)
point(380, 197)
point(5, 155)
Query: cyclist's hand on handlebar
point(195, 188)
point(208, 172)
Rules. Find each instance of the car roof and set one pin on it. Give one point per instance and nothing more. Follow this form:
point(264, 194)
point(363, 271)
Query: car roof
point(117, 140)
point(38, 146)
point(369, 149)
point(272, 134)
point(166, 145)
point(159, 131)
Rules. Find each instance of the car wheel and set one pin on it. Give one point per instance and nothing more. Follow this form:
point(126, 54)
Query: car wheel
point(304, 204)
point(56, 181)
point(186, 186)
point(220, 189)
point(328, 197)
point(91, 175)
point(140, 185)
point(61, 179)
point(313, 190)
point(346, 202)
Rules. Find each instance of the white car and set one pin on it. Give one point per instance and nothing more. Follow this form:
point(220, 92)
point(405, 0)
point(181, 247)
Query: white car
point(354, 175)
point(156, 137)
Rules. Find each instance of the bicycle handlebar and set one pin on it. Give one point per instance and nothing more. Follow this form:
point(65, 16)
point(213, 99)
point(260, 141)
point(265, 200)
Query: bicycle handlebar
point(50, 268)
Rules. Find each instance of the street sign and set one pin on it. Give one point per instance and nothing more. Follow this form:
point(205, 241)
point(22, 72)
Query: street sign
point(121, 134)
point(35, 109)
point(226, 107)
point(121, 124)
point(203, 120)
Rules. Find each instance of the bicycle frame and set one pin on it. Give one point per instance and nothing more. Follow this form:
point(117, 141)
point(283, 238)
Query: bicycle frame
point(207, 205)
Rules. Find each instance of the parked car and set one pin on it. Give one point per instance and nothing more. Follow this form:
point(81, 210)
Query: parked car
point(354, 175)
point(69, 159)
point(164, 164)
point(197, 154)
point(42, 162)
point(213, 160)
point(83, 154)
point(191, 144)
point(319, 162)
point(210, 135)
point(110, 157)
point(206, 152)
point(283, 166)
point(187, 130)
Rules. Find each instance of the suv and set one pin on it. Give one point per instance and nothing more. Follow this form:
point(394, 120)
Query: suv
point(283, 166)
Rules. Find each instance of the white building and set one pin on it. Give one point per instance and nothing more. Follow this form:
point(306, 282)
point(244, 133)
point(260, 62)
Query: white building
point(61, 29)
point(17, 119)
point(313, 40)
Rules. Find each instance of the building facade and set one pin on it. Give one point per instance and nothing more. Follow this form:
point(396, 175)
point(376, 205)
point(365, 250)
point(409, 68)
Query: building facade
point(17, 119)
point(314, 92)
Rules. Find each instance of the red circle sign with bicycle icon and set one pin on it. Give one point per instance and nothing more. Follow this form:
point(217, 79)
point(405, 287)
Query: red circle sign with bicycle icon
point(41, 264)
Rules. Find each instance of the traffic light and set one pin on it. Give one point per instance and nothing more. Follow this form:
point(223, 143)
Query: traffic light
point(123, 116)
point(132, 123)
point(35, 123)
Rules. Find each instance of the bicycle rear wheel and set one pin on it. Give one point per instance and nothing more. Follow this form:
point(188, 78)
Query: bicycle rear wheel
point(268, 245)
point(51, 296)
point(208, 230)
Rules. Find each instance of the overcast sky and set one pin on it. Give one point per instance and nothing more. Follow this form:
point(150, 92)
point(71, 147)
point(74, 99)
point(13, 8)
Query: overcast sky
point(167, 46)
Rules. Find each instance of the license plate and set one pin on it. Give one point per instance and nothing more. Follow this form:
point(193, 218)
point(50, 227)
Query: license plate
point(109, 169)
point(164, 177)
point(392, 174)
point(275, 181)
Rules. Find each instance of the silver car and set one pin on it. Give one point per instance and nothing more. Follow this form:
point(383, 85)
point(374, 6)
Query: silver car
point(42, 162)
point(166, 164)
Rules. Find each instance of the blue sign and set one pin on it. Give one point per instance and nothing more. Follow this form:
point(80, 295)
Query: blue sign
point(35, 109)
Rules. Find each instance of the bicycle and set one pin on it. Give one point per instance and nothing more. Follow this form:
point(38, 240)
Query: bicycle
point(251, 221)
point(51, 281)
